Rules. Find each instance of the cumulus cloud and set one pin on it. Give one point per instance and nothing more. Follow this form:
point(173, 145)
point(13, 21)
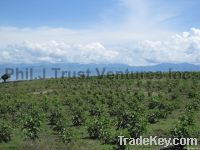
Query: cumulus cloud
point(179, 48)
point(53, 51)
point(183, 47)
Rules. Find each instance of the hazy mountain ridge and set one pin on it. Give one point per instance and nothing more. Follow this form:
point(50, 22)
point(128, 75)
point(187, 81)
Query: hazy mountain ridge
point(111, 67)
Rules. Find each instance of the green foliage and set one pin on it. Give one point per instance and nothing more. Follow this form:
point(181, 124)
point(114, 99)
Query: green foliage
point(101, 108)
point(78, 118)
point(192, 94)
point(95, 111)
point(138, 126)
point(97, 128)
point(58, 123)
point(55, 116)
point(159, 108)
point(140, 96)
point(32, 125)
point(5, 131)
point(194, 105)
point(156, 102)
point(153, 116)
point(135, 122)
point(65, 135)
point(185, 128)
point(116, 141)
point(45, 104)
point(106, 136)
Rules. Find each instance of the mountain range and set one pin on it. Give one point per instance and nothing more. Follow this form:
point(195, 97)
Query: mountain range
point(93, 68)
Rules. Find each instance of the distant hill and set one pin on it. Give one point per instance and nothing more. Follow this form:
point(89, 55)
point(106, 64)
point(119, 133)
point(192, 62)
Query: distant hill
point(73, 67)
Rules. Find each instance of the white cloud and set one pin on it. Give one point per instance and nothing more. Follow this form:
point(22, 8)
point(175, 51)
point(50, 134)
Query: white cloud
point(138, 38)
point(31, 52)
point(184, 47)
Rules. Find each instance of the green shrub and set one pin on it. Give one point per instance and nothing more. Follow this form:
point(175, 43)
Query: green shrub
point(78, 118)
point(5, 132)
point(135, 122)
point(194, 105)
point(96, 128)
point(106, 136)
point(116, 141)
point(156, 103)
point(31, 127)
point(153, 116)
point(138, 126)
point(185, 128)
point(65, 135)
point(45, 104)
point(95, 111)
point(55, 116)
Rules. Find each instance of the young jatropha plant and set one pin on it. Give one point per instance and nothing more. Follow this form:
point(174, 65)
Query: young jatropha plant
point(97, 128)
point(78, 118)
point(106, 136)
point(45, 104)
point(95, 111)
point(5, 132)
point(185, 128)
point(135, 122)
point(100, 128)
point(62, 131)
point(194, 105)
point(154, 115)
point(65, 135)
point(55, 116)
point(116, 140)
point(159, 109)
point(58, 123)
point(32, 124)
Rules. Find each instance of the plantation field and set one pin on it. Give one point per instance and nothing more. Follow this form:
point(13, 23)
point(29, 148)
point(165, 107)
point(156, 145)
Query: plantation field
point(90, 113)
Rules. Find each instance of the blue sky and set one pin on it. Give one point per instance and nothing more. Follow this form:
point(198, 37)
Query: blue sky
point(86, 13)
point(55, 13)
point(133, 32)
